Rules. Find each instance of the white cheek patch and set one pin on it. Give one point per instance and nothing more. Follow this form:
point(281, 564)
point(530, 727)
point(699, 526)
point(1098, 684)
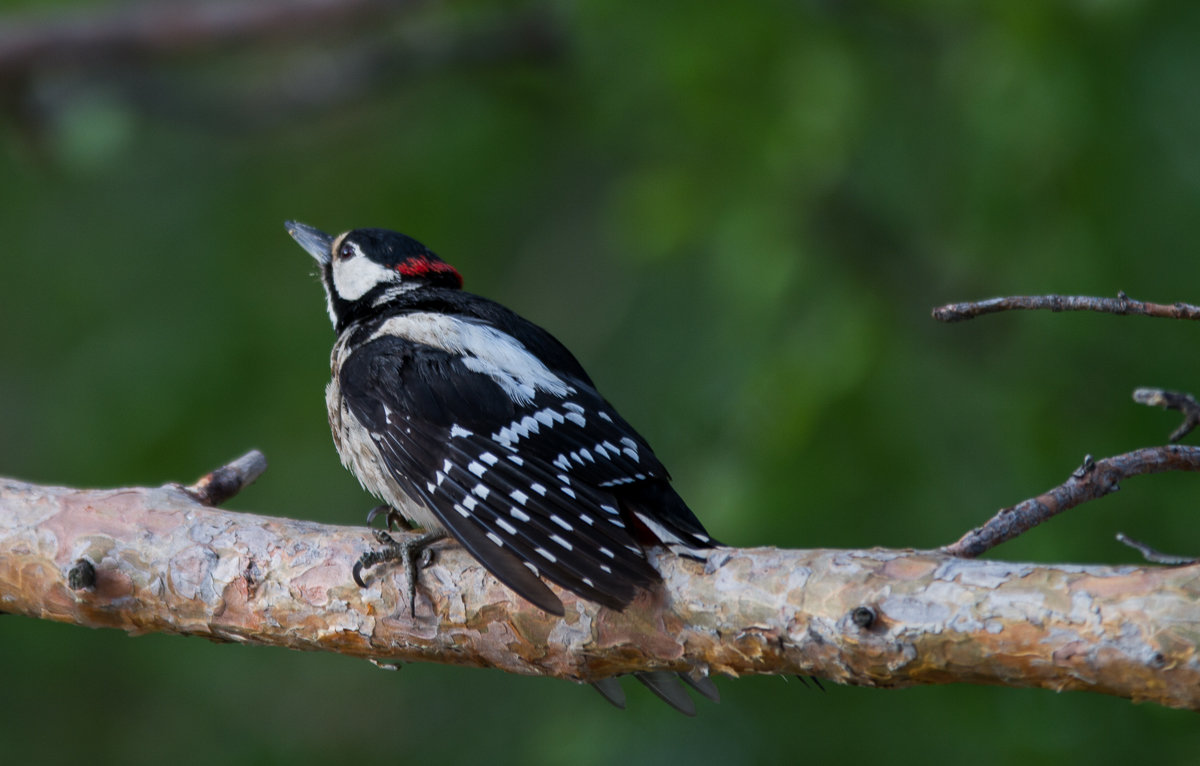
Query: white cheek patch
point(354, 277)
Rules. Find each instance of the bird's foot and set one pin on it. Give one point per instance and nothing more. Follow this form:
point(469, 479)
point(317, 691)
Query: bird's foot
point(413, 551)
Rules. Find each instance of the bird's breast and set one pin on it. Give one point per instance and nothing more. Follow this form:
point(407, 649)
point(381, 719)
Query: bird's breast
point(356, 447)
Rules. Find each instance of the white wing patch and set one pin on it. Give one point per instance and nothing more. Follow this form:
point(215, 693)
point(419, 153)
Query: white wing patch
point(483, 349)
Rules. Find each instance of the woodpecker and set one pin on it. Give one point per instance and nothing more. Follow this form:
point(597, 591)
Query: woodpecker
point(464, 418)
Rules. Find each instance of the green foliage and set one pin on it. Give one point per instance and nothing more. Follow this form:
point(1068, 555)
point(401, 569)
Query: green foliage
point(738, 216)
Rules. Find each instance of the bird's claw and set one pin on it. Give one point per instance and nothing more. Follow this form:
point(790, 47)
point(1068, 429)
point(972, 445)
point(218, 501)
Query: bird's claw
point(392, 518)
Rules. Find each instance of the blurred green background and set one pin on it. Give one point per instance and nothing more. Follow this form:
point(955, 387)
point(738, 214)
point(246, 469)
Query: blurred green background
point(738, 218)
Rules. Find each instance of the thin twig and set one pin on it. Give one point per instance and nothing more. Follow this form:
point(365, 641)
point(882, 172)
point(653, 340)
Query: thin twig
point(1090, 481)
point(1122, 304)
point(219, 485)
point(1172, 400)
point(1153, 555)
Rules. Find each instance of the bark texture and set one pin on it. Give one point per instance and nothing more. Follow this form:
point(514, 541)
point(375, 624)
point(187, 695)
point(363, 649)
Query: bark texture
point(145, 560)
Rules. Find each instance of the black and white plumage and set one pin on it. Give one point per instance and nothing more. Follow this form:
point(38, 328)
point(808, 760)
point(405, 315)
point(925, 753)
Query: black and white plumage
point(463, 416)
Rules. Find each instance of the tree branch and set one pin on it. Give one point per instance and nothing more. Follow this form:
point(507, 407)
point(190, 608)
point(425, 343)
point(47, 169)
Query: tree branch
point(156, 560)
point(147, 29)
point(95, 46)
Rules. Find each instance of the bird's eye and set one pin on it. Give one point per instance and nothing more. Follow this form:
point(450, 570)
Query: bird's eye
point(346, 251)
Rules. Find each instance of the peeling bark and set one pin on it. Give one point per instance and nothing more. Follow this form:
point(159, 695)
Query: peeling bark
point(162, 562)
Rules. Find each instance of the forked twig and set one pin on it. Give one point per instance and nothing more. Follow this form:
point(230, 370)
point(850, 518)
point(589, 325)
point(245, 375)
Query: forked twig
point(1172, 400)
point(1092, 480)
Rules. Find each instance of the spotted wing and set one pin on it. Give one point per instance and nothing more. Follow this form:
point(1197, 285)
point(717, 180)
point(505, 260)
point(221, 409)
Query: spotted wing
point(532, 488)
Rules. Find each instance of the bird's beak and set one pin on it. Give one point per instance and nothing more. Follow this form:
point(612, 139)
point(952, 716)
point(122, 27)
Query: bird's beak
point(317, 243)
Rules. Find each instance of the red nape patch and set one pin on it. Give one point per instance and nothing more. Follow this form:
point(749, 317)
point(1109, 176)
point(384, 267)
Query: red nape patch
point(422, 266)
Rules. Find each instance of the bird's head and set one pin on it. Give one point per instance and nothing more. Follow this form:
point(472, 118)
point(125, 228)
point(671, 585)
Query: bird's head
point(362, 269)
